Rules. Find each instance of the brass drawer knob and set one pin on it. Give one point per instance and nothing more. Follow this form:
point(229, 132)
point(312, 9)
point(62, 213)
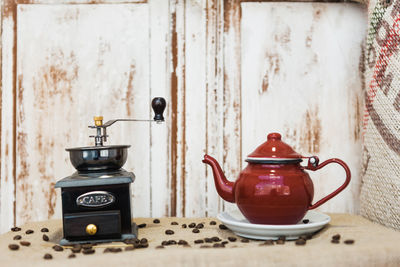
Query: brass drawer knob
point(91, 229)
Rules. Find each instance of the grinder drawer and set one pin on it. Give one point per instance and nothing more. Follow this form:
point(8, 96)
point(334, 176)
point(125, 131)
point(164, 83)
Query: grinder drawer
point(96, 224)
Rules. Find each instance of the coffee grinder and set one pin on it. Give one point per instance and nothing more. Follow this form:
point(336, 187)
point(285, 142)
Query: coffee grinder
point(96, 199)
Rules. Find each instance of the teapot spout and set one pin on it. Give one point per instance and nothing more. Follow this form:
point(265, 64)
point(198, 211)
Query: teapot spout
point(224, 187)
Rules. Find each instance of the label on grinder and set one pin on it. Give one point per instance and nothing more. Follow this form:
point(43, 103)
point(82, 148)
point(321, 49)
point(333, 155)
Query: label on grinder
point(95, 199)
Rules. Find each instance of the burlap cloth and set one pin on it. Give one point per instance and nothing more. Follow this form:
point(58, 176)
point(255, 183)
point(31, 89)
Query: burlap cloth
point(374, 245)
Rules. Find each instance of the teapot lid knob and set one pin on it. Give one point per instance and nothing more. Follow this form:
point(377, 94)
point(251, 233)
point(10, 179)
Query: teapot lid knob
point(274, 136)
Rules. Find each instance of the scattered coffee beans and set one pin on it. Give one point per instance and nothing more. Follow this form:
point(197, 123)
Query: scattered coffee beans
point(223, 227)
point(171, 242)
point(335, 241)
point(184, 225)
point(58, 248)
point(169, 232)
point(199, 241)
point(47, 256)
point(17, 237)
point(71, 256)
point(245, 240)
point(88, 251)
point(15, 229)
point(164, 243)
point(349, 241)
point(158, 247)
point(25, 243)
point(44, 230)
point(192, 225)
point(28, 232)
point(196, 231)
point(142, 225)
point(143, 241)
point(336, 237)
point(13, 246)
point(208, 240)
point(45, 237)
point(174, 223)
point(232, 239)
point(306, 221)
point(156, 221)
point(200, 226)
point(76, 248)
point(224, 242)
point(300, 242)
point(213, 223)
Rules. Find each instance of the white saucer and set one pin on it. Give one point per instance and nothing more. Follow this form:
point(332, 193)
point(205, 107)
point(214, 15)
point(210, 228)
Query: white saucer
point(235, 221)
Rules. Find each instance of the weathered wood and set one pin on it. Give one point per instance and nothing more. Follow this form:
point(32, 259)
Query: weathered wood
point(299, 78)
point(7, 177)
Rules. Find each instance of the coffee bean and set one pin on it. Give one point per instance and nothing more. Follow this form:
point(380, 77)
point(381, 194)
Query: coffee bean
point(45, 237)
point(15, 229)
point(200, 226)
point(87, 246)
point(303, 237)
point(17, 237)
point(47, 256)
point(158, 247)
point(208, 240)
point(58, 248)
point(131, 241)
point(232, 239)
point(169, 232)
point(223, 227)
point(349, 241)
point(174, 223)
point(184, 225)
point(76, 248)
point(171, 242)
point(196, 231)
point(13, 246)
point(44, 230)
point(245, 240)
point(282, 238)
point(267, 243)
point(205, 246)
point(199, 241)
point(192, 225)
point(217, 245)
point(88, 251)
point(182, 242)
point(25, 243)
point(129, 248)
point(335, 241)
point(28, 232)
point(300, 242)
point(143, 240)
point(156, 221)
point(145, 245)
point(115, 250)
point(336, 237)
point(224, 242)
point(280, 241)
point(305, 221)
point(142, 225)
point(72, 255)
point(164, 243)
point(213, 223)
point(215, 239)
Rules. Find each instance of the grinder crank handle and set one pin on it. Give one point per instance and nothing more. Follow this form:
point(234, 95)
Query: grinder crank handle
point(158, 104)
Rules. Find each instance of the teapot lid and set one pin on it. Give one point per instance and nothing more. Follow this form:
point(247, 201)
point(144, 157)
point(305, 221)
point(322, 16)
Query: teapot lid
point(274, 151)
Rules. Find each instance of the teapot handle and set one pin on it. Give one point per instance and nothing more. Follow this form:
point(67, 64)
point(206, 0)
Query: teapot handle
point(313, 166)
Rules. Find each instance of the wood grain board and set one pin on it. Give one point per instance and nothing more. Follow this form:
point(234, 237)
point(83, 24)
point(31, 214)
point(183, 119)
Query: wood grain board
point(230, 71)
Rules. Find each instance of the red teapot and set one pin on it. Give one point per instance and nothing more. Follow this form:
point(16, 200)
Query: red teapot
point(274, 188)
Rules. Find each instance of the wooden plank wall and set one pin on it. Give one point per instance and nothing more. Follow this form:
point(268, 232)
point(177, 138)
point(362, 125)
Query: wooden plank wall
point(216, 64)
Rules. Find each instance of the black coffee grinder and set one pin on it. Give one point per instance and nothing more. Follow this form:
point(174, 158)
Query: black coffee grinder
point(96, 200)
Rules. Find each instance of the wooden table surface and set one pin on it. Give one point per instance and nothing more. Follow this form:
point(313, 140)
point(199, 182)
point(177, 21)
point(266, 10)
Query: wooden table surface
point(374, 245)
